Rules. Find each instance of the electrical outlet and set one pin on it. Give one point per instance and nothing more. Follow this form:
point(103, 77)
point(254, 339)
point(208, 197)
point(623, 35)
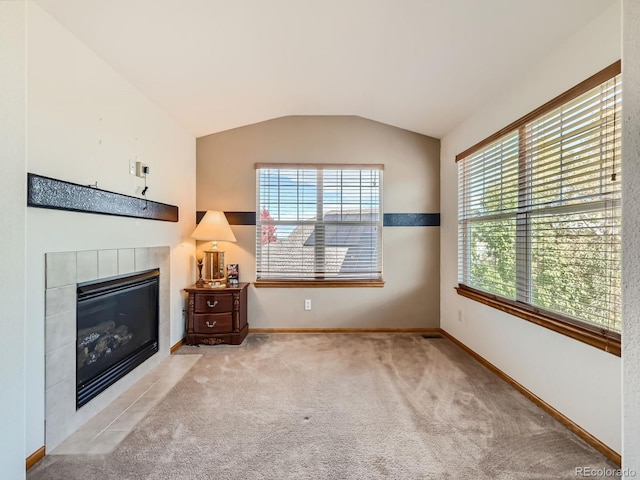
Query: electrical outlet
point(459, 315)
point(141, 169)
point(132, 167)
point(307, 304)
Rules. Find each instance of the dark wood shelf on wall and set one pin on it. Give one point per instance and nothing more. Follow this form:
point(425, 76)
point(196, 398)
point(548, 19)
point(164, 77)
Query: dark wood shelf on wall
point(45, 192)
point(389, 219)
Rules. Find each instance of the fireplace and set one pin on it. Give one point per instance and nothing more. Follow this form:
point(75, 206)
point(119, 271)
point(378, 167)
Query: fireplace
point(117, 330)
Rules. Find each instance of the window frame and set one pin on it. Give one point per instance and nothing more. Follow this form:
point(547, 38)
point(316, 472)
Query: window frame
point(599, 337)
point(327, 282)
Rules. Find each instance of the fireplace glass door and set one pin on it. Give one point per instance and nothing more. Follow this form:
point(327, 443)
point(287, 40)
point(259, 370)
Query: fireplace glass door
point(117, 330)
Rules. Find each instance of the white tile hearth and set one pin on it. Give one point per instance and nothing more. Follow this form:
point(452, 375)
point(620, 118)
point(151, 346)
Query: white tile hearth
point(60, 300)
point(87, 266)
point(107, 263)
point(126, 260)
point(59, 328)
point(105, 431)
point(63, 271)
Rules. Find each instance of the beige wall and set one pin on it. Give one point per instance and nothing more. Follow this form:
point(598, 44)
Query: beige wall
point(576, 379)
point(13, 139)
point(410, 298)
point(84, 124)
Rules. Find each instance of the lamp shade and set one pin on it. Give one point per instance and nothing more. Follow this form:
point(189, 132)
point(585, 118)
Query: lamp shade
point(214, 227)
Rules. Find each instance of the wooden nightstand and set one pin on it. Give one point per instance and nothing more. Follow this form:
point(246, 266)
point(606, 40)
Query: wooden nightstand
point(217, 315)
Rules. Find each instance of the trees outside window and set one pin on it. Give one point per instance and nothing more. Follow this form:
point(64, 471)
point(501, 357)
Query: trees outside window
point(539, 210)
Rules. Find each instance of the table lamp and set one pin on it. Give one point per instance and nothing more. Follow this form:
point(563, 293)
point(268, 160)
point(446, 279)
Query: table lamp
point(214, 227)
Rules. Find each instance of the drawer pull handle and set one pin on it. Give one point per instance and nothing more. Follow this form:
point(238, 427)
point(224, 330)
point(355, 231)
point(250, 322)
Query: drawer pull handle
point(212, 305)
point(211, 325)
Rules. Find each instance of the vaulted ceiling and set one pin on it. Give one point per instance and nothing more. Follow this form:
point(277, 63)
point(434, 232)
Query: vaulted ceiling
point(422, 65)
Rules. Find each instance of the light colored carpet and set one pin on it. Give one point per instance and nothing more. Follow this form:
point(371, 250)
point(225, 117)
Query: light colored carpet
point(338, 406)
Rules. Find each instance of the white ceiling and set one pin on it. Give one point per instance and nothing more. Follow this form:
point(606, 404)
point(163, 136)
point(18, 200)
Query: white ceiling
point(422, 65)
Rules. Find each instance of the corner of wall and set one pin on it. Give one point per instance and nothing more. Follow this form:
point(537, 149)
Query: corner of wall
point(13, 145)
point(630, 243)
point(519, 348)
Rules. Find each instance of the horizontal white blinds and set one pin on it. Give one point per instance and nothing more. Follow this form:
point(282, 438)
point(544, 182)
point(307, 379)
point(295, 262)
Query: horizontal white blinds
point(319, 222)
point(572, 154)
point(489, 181)
point(539, 210)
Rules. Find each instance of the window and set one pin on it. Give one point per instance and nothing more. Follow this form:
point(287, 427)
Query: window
point(319, 224)
point(539, 214)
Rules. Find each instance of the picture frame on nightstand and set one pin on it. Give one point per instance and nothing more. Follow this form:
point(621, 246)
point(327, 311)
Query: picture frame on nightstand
point(233, 274)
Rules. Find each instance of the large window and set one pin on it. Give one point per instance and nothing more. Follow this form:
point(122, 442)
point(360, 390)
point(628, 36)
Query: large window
point(539, 214)
point(319, 224)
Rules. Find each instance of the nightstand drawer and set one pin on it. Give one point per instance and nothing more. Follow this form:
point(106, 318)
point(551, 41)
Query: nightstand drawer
point(212, 323)
point(220, 303)
point(217, 315)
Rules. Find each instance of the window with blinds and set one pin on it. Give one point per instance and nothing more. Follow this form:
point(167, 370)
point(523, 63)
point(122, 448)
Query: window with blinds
point(319, 222)
point(539, 209)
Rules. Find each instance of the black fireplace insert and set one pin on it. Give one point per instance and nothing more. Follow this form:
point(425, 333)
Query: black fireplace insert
point(117, 330)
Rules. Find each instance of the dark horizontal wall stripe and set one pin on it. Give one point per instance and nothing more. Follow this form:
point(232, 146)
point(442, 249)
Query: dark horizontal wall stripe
point(45, 192)
point(234, 218)
point(411, 220)
point(389, 219)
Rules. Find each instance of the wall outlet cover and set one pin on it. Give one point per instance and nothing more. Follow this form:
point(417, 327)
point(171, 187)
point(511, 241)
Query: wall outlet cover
point(140, 169)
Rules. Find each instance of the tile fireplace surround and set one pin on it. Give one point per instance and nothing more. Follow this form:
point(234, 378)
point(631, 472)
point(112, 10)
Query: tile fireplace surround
point(63, 271)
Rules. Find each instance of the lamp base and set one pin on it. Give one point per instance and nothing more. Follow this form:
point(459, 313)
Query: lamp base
point(214, 266)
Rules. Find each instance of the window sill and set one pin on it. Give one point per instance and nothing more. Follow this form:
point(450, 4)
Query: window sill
point(609, 342)
point(318, 283)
